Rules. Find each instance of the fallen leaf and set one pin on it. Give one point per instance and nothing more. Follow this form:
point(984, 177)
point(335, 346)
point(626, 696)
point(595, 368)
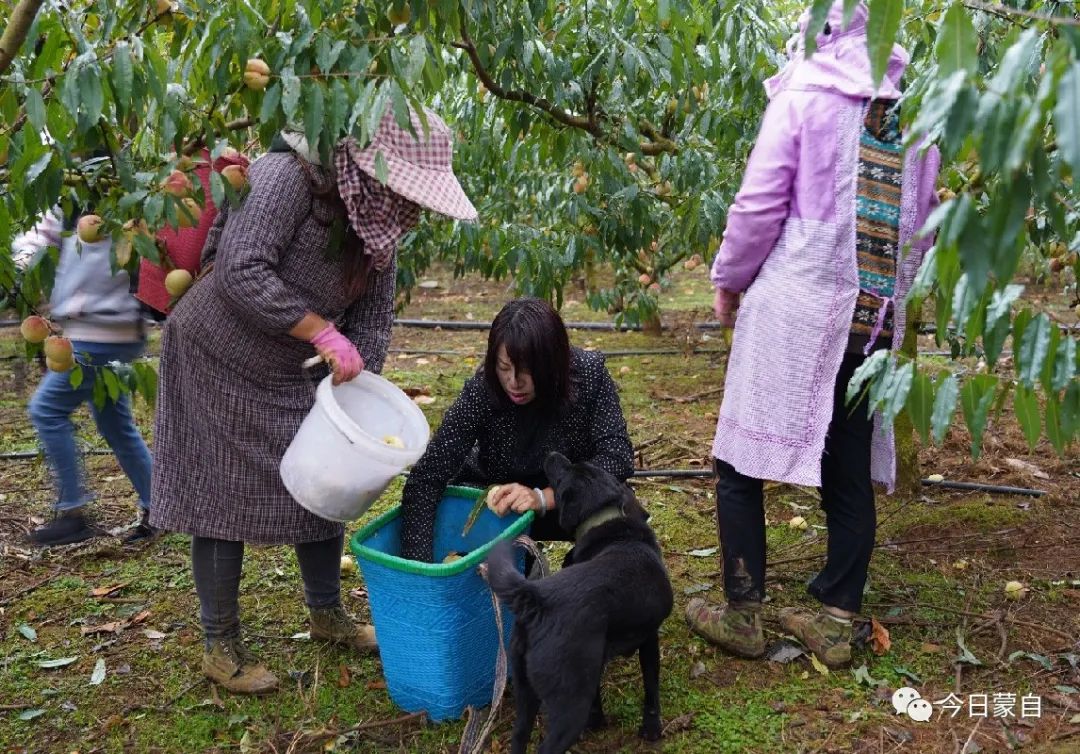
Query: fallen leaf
point(69, 706)
point(49, 664)
point(697, 588)
point(1067, 689)
point(412, 392)
point(105, 591)
point(153, 635)
point(1074, 720)
point(698, 670)
point(422, 362)
point(139, 618)
point(819, 666)
point(374, 685)
point(879, 637)
point(862, 675)
point(247, 745)
point(1026, 468)
point(428, 284)
point(215, 698)
point(343, 677)
point(965, 655)
point(703, 553)
point(302, 636)
point(28, 632)
point(423, 400)
point(30, 714)
point(37, 520)
point(98, 676)
point(112, 627)
point(784, 652)
point(930, 649)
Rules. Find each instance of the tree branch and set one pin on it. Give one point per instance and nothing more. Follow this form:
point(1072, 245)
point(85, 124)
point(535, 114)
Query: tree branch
point(518, 95)
point(17, 29)
point(1004, 11)
point(233, 125)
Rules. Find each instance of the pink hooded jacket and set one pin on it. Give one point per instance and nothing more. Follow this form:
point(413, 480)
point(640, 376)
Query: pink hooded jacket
point(790, 246)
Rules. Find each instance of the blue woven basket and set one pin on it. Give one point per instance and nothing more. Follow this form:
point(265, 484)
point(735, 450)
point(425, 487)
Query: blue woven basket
point(434, 622)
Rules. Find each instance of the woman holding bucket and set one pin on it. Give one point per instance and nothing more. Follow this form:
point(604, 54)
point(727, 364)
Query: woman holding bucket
point(305, 265)
point(534, 395)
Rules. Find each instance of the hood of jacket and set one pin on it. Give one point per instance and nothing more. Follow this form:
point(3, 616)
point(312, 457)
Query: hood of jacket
point(841, 63)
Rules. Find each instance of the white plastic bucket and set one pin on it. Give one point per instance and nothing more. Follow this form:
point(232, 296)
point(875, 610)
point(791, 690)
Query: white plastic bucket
point(338, 465)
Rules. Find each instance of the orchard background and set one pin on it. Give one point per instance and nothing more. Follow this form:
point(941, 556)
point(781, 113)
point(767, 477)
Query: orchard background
point(601, 143)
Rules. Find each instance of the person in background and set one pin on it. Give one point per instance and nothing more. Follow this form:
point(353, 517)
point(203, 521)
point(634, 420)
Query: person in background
point(533, 395)
point(305, 265)
point(820, 247)
point(96, 311)
point(183, 246)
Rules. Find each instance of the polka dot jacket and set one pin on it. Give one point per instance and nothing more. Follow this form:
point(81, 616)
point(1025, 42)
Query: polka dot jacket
point(480, 443)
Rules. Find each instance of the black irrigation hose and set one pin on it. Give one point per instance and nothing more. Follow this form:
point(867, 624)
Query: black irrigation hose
point(651, 473)
point(971, 486)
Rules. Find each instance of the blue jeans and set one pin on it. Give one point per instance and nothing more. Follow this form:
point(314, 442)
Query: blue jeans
point(50, 412)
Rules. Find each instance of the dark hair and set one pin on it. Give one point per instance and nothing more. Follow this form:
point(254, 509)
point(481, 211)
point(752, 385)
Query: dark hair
point(536, 341)
point(355, 264)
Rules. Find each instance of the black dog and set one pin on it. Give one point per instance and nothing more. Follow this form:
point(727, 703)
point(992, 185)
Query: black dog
point(609, 599)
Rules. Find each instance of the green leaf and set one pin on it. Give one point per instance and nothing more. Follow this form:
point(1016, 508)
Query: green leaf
point(217, 189)
point(123, 74)
point(957, 42)
point(30, 714)
point(881, 29)
point(944, 407)
point(28, 632)
point(976, 397)
point(1070, 412)
point(76, 377)
point(271, 100)
point(862, 675)
point(1026, 407)
point(1067, 117)
point(1055, 429)
point(290, 95)
point(314, 107)
point(1046, 374)
point(112, 384)
point(382, 172)
point(1034, 344)
point(819, 11)
point(50, 664)
point(35, 108)
point(868, 370)
point(997, 321)
point(920, 405)
point(895, 393)
point(1064, 364)
point(417, 58)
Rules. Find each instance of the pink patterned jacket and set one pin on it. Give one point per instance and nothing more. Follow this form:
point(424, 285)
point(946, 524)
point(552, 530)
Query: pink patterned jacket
point(789, 246)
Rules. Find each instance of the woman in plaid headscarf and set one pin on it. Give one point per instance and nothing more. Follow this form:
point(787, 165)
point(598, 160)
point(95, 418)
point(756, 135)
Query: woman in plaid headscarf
point(305, 265)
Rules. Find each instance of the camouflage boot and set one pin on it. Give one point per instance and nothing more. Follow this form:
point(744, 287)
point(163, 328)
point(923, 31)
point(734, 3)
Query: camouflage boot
point(827, 636)
point(228, 663)
point(735, 627)
point(334, 625)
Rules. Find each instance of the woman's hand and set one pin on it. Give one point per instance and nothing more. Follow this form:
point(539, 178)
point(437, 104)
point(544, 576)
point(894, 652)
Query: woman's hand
point(339, 352)
point(519, 499)
point(726, 307)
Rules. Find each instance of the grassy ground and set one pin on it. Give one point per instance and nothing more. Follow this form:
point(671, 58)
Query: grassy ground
point(936, 585)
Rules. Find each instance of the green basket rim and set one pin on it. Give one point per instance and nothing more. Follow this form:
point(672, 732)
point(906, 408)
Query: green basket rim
point(473, 559)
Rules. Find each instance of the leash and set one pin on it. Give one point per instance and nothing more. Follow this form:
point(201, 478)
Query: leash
point(475, 736)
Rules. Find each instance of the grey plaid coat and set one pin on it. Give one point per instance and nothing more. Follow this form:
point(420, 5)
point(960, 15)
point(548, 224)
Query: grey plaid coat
point(232, 393)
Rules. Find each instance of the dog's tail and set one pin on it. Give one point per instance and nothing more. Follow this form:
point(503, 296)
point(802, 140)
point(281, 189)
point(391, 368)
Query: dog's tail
point(513, 589)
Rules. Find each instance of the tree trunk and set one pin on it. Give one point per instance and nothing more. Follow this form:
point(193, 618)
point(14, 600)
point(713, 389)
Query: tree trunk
point(908, 472)
point(15, 33)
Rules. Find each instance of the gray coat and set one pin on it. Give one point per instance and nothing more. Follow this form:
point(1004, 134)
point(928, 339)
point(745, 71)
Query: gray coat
point(232, 393)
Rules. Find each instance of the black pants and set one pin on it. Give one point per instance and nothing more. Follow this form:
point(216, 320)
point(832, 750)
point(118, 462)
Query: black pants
point(217, 564)
point(847, 497)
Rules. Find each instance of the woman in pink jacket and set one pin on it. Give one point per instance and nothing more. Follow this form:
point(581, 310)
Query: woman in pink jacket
point(820, 247)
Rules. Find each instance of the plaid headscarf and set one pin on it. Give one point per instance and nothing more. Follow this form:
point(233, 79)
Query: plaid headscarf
point(378, 215)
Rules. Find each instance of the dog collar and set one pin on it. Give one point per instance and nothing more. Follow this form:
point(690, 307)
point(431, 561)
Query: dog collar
point(602, 516)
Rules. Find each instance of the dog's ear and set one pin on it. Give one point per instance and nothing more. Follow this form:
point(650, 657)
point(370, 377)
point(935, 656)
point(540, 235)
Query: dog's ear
point(632, 507)
point(555, 466)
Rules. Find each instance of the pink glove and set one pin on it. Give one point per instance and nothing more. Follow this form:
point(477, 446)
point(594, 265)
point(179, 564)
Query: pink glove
point(726, 307)
point(339, 352)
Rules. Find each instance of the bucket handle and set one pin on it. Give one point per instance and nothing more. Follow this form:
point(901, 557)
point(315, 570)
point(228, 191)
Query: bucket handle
point(474, 738)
